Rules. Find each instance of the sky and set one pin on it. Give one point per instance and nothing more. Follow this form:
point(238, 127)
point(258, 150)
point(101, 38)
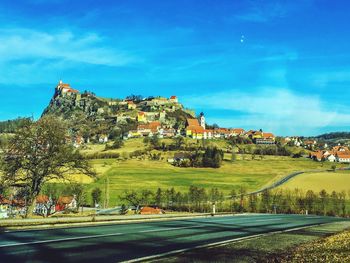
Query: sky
point(282, 66)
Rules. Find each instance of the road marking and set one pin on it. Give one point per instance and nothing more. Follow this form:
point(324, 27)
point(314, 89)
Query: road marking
point(221, 243)
point(263, 220)
point(59, 240)
point(170, 229)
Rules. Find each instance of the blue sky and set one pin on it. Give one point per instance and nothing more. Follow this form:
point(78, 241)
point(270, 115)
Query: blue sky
point(283, 66)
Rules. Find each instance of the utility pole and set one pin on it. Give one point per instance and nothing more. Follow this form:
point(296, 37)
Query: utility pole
point(214, 209)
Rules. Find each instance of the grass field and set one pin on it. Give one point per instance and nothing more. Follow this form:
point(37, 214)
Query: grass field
point(145, 174)
point(330, 181)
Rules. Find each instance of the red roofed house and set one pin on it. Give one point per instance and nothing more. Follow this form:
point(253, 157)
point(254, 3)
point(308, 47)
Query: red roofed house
point(237, 131)
point(197, 130)
point(141, 116)
point(65, 89)
point(151, 211)
point(149, 129)
point(174, 99)
point(343, 157)
point(131, 105)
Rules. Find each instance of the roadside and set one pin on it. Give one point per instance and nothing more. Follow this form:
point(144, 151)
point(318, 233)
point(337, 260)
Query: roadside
point(282, 247)
point(43, 223)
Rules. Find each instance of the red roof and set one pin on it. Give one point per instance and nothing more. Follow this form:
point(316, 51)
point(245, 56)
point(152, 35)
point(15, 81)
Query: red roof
point(238, 130)
point(344, 155)
point(41, 199)
point(268, 135)
point(192, 122)
point(150, 210)
point(173, 97)
point(65, 200)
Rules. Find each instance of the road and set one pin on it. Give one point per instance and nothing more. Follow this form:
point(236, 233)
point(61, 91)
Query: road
point(123, 242)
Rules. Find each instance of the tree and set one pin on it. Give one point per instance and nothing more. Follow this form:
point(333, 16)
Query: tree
point(96, 195)
point(132, 198)
point(178, 142)
point(38, 153)
point(154, 141)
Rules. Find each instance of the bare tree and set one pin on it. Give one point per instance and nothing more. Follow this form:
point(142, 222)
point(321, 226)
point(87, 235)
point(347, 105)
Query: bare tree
point(38, 153)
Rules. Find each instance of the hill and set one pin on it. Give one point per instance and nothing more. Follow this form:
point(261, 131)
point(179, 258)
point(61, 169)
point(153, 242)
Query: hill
point(91, 116)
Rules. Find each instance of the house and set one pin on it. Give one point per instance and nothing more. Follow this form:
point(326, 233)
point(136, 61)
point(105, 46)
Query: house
point(131, 105)
point(317, 156)
point(331, 158)
point(103, 138)
point(173, 99)
point(222, 133)
point(237, 132)
point(265, 138)
point(4, 206)
point(78, 141)
point(63, 89)
point(133, 134)
point(260, 137)
point(340, 148)
point(44, 205)
point(149, 129)
point(167, 132)
point(66, 202)
point(181, 156)
point(141, 116)
point(151, 211)
point(343, 157)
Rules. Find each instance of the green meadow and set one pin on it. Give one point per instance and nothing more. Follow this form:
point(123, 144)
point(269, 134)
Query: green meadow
point(145, 174)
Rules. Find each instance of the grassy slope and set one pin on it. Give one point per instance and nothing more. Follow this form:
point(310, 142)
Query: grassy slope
point(146, 174)
point(138, 175)
point(329, 181)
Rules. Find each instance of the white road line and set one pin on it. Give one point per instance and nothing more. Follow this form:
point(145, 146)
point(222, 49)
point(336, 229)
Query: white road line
point(170, 229)
point(59, 240)
point(263, 220)
point(221, 243)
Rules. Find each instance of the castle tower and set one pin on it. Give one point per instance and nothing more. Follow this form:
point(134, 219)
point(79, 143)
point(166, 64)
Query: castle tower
point(202, 120)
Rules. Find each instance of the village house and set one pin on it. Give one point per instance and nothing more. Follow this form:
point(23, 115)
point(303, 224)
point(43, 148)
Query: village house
point(141, 116)
point(197, 130)
point(167, 132)
point(45, 205)
point(148, 129)
point(173, 99)
point(343, 157)
point(237, 132)
point(64, 89)
point(103, 138)
point(260, 137)
point(131, 105)
point(337, 154)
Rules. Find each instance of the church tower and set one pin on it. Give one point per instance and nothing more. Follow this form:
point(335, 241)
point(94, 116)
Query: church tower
point(202, 120)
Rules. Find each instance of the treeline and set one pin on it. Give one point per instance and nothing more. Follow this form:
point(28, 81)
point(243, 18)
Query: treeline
point(10, 126)
point(198, 199)
point(334, 135)
point(210, 157)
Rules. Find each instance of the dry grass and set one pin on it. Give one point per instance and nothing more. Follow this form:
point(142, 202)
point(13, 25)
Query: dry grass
point(330, 181)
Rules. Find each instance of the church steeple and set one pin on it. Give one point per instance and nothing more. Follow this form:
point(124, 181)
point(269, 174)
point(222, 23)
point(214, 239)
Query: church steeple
point(202, 120)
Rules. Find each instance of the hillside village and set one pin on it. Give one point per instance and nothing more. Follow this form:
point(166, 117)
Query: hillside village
point(99, 120)
point(145, 117)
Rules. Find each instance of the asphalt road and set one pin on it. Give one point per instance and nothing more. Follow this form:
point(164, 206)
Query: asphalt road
point(123, 242)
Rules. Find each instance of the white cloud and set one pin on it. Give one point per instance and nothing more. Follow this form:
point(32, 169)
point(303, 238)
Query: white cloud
point(25, 44)
point(277, 110)
point(325, 78)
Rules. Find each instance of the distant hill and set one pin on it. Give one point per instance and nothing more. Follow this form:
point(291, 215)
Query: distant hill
point(334, 136)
